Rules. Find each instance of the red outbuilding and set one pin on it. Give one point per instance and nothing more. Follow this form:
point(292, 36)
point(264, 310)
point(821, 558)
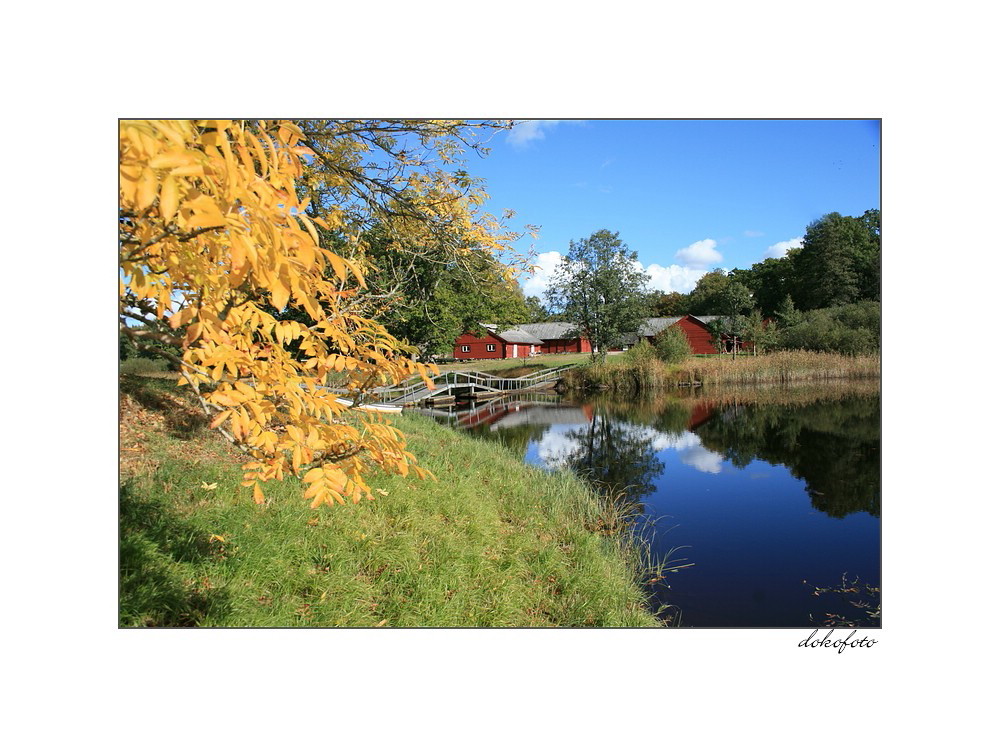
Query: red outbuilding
point(522, 341)
point(526, 340)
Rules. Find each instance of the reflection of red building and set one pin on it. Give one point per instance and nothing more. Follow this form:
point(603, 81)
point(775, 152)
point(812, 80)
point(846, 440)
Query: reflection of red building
point(518, 413)
point(701, 412)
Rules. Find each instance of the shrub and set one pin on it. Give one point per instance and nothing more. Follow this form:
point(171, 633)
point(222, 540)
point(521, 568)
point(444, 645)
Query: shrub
point(671, 345)
point(639, 353)
point(852, 329)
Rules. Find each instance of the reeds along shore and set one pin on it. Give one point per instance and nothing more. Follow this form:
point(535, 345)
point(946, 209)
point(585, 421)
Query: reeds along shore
point(781, 367)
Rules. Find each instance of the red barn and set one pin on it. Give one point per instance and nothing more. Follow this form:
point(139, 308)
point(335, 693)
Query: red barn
point(521, 341)
point(695, 328)
point(526, 340)
point(493, 343)
point(557, 337)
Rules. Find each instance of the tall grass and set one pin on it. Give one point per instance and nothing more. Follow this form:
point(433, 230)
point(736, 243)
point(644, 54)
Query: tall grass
point(621, 375)
point(141, 366)
point(493, 543)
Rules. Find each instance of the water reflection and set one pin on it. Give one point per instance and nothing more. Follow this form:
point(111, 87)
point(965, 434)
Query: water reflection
point(831, 443)
point(773, 492)
point(833, 446)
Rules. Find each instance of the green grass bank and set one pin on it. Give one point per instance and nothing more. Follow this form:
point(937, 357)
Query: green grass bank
point(625, 374)
point(493, 543)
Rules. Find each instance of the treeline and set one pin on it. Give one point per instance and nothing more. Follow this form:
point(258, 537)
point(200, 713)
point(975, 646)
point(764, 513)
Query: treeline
point(824, 296)
point(839, 263)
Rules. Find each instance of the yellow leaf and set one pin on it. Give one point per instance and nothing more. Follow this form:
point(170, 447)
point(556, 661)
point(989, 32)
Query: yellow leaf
point(206, 486)
point(146, 190)
point(171, 159)
point(309, 226)
point(258, 494)
point(193, 169)
point(168, 198)
point(279, 296)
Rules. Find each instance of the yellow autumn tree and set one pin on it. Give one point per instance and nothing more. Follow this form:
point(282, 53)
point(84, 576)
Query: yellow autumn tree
point(215, 236)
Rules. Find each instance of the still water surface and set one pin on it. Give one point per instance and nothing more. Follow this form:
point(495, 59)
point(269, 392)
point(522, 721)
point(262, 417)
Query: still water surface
point(768, 494)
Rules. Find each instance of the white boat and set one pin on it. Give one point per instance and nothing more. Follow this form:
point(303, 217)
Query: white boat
point(387, 409)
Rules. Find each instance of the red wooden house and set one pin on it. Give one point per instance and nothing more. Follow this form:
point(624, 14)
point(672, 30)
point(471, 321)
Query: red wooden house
point(526, 340)
point(522, 341)
point(695, 328)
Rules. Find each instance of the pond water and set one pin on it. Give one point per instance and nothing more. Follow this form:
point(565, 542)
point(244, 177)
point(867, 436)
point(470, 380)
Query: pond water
point(764, 496)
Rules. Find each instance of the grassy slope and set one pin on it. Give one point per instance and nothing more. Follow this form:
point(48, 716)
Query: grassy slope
point(494, 543)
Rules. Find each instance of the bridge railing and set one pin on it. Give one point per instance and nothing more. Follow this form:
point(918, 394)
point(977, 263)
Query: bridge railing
point(448, 380)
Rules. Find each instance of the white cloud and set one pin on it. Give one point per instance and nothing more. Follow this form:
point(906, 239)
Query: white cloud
point(753, 234)
point(529, 130)
point(555, 447)
point(545, 265)
point(673, 278)
point(781, 248)
point(670, 278)
point(526, 132)
point(700, 254)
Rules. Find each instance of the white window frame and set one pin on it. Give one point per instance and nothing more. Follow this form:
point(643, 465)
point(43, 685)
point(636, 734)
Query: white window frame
point(491, 347)
point(465, 348)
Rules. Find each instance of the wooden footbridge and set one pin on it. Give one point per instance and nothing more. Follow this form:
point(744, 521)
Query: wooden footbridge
point(464, 384)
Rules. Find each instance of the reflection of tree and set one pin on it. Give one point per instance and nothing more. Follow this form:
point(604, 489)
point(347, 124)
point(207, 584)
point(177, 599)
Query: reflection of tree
point(617, 458)
point(666, 414)
point(516, 438)
point(833, 446)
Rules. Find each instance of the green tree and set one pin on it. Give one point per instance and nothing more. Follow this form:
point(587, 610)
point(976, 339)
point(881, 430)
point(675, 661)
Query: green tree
point(707, 296)
point(770, 282)
point(719, 331)
point(668, 304)
point(868, 258)
point(758, 333)
point(599, 289)
point(839, 261)
point(536, 310)
point(736, 300)
point(438, 302)
point(851, 329)
point(786, 313)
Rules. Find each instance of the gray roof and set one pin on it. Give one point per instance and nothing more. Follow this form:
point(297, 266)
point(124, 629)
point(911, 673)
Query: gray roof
point(542, 416)
point(652, 327)
point(549, 330)
point(536, 334)
point(517, 334)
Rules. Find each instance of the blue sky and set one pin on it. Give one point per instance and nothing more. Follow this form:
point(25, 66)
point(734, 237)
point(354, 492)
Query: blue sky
point(686, 195)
